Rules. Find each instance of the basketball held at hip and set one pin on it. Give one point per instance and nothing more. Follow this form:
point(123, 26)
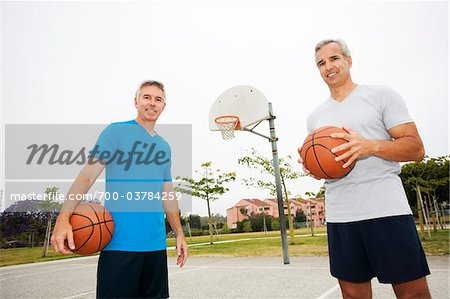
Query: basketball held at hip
point(92, 227)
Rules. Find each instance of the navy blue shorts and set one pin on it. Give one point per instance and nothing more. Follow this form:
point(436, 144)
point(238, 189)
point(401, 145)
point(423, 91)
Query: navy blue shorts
point(123, 274)
point(387, 248)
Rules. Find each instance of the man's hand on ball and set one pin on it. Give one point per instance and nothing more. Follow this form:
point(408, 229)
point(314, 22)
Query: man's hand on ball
point(358, 146)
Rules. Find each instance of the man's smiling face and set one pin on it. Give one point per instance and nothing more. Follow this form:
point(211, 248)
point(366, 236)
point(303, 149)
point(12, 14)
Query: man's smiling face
point(150, 103)
point(334, 67)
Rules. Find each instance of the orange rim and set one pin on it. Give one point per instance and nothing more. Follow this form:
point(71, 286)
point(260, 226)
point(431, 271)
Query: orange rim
point(228, 119)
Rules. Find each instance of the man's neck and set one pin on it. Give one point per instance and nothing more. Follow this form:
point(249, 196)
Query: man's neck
point(341, 92)
point(149, 126)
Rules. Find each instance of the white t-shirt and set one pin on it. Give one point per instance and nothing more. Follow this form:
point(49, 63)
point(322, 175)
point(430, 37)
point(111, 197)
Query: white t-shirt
point(373, 188)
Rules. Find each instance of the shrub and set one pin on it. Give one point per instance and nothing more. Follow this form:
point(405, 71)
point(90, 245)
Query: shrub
point(275, 224)
point(225, 230)
point(247, 227)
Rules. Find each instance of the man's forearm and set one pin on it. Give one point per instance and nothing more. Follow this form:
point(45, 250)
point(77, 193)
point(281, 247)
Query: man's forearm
point(172, 210)
point(175, 224)
point(404, 149)
point(80, 186)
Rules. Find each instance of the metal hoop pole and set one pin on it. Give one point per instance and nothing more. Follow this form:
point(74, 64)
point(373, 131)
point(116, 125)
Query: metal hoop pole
point(276, 166)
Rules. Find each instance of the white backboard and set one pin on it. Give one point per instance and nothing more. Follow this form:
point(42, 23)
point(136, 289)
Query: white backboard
point(245, 102)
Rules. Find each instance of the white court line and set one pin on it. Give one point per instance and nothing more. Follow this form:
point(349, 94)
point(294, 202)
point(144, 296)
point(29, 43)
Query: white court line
point(185, 271)
point(78, 295)
point(329, 292)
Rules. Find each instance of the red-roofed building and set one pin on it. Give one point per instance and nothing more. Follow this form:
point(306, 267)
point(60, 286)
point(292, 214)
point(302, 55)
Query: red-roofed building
point(313, 208)
point(246, 208)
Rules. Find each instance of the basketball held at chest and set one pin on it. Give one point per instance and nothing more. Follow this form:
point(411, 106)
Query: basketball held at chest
point(92, 227)
point(317, 156)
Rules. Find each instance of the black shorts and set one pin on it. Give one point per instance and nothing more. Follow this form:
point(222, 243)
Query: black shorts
point(123, 274)
point(387, 248)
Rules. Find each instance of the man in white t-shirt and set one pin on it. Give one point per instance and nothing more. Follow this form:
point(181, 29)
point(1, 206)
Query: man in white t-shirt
point(371, 230)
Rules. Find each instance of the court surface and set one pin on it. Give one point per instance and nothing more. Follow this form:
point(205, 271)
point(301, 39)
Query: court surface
point(208, 277)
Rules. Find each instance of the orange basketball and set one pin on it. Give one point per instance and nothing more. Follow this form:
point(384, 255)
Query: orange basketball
point(92, 227)
point(317, 156)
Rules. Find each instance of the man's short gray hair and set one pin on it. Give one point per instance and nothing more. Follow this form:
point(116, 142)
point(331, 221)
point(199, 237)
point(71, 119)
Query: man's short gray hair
point(151, 83)
point(344, 48)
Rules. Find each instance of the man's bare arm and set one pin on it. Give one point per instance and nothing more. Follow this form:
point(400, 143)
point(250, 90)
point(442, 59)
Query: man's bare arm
point(173, 216)
point(405, 146)
point(81, 185)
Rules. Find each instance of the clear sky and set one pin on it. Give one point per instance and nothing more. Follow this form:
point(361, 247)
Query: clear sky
point(80, 63)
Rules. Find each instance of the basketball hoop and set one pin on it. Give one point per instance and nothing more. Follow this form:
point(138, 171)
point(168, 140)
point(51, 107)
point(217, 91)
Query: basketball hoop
point(227, 124)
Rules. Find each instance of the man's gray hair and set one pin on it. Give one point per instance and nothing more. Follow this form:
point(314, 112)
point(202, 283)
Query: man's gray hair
point(344, 48)
point(151, 83)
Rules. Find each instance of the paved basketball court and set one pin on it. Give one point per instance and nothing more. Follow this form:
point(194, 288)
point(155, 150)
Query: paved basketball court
point(244, 277)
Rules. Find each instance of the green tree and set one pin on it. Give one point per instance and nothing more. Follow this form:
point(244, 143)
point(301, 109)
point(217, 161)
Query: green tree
point(50, 207)
point(265, 167)
point(259, 220)
point(319, 194)
point(431, 174)
point(209, 187)
point(240, 225)
point(225, 229)
point(312, 208)
point(194, 221)
point(300, 216)
point(275, 224)
point(247, 226)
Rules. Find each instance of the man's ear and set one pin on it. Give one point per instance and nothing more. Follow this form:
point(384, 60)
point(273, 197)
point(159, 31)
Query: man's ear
point(350, 62)
point(135, 102)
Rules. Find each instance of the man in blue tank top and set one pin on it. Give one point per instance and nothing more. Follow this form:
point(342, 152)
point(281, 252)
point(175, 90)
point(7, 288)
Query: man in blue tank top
point(371, 230)
point(140, 191)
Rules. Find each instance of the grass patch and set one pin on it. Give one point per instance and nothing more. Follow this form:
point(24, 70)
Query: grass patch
point(438, 244)
point(15, 256)
point(252, 235)
point(304, 245)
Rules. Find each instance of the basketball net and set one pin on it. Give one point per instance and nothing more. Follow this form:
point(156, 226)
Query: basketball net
point(227, 124)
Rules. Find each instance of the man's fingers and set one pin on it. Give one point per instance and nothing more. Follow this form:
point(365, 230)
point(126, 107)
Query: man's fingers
point(340, 135)
point(184, 260)
point(350, 161)
point(182, 254)
point(310, 174)
point(70, 241)
point(58, 244)
point(180, 260)
point(53, 243)
point(185, 254)
point(349, 130)
point(341, 147)
point(344, 156)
